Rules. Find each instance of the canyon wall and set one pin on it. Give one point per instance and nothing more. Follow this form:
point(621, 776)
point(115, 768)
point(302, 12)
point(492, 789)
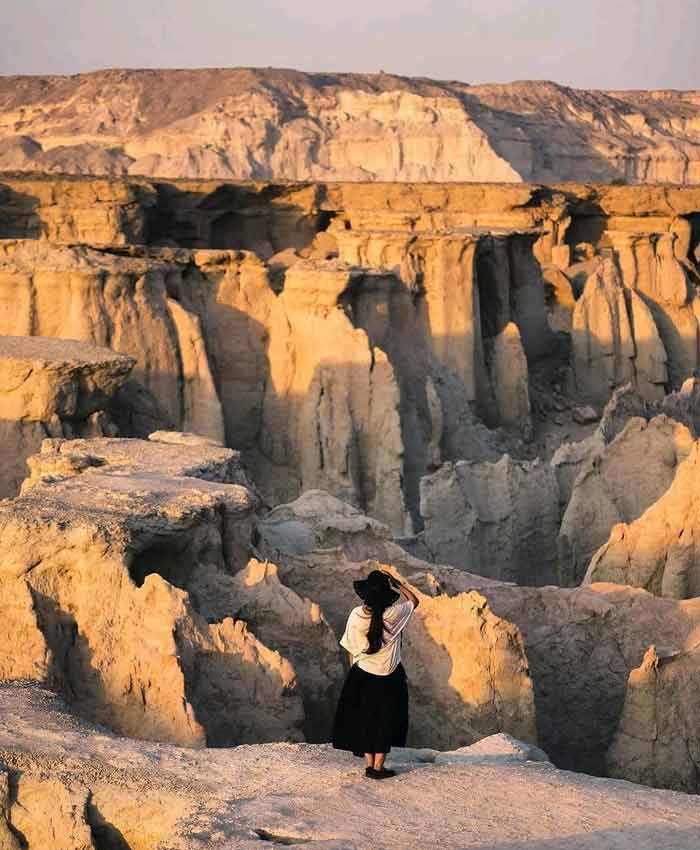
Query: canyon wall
point(270, 124)
point(356, 337)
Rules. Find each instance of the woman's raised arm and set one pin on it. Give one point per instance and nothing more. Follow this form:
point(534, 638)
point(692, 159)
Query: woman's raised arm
point(406, 592)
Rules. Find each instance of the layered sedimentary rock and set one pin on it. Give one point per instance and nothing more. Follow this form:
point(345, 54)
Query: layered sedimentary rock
point(658, 739)
point(618, 485)
point(580, 645)
point(658, 551)
point(354, 337)
point(52, 388)
point(104, 299)
point(496, 519)
point(287, 125)
point(98, 557)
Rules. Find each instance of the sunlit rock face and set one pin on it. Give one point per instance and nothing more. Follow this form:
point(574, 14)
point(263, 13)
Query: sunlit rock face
point(287, 125)
point(367, 338)
point(52, 387)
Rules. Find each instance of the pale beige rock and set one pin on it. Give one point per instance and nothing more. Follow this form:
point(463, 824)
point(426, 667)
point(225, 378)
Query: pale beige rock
point(580, 645)
point(450, 643)
point(509, 379)
point(330, 415)
point(657, 550)
point(107, 546)
point(297, 628)
point(24, 651)
point(202, 408)
point(454, 700)
point(219, 123)
point(658, 740)
point(51, 387)
point(650, 363)
point(499, 519)
point(570, 458)
point(618, 485)
point(603, 344)
point(158, 795)
point(649, 265)
point(101, 299)
point(52, 814)
point(165, 453)
point(499, 747)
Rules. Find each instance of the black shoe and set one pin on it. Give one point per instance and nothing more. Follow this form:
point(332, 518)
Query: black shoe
point(382, 773)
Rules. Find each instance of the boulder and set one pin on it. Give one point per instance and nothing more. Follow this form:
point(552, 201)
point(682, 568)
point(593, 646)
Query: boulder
point(498, 748)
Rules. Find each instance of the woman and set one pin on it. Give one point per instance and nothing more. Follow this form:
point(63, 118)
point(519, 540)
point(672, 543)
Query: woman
point(372, 714)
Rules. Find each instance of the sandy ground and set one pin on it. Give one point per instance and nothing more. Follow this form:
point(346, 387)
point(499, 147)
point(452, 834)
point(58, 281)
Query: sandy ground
point(283, 794)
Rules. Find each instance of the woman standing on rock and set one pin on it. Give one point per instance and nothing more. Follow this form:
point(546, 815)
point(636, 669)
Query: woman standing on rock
point(372, 713)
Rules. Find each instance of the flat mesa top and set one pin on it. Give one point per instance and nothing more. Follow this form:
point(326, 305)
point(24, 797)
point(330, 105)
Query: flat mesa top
point(46, 349)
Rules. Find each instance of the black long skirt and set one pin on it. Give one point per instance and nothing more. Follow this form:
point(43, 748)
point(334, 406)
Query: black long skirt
point(372, 714)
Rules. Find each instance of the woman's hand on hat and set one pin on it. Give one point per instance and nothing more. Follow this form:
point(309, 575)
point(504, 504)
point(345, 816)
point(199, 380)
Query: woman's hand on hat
point(392, 579)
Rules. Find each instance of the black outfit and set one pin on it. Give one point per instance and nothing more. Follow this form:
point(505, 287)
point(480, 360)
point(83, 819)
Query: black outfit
point(372, 715)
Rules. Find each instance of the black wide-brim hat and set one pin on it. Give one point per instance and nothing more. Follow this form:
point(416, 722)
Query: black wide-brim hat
point(376, 590)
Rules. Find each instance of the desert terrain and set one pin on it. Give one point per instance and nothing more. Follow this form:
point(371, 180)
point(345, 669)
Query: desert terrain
point(238, 372)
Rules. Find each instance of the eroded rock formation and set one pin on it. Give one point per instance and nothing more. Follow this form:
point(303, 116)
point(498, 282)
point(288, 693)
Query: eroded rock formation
point(601, 631)
point(618, 485)
point(496, 519)
point(97, 556)
point(56, 388)
point(657, 551)
point(288, 125)
point(657, 741)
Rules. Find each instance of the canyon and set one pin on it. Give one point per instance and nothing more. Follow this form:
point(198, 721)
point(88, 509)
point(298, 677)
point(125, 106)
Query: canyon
point(224, 401)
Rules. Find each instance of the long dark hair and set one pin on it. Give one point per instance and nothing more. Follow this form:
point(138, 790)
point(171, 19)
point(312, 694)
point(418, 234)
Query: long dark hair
point(375, 632)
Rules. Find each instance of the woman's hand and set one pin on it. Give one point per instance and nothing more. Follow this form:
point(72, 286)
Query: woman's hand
point(395, 583)
point(402, 589)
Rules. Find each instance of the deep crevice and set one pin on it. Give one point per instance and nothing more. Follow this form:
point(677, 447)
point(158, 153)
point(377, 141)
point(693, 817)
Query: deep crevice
point(105, 836)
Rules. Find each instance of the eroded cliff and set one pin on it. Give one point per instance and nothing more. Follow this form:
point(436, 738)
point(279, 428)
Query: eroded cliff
point(287, 125)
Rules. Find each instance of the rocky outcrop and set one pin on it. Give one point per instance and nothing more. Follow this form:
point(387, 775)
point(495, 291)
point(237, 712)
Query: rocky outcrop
point(618, 485)
point(288, 125)
point(52, 388)
point(96, 561)
point(603, 344)
point(468, 673)
point(580, 645)
point(143, 795)
point(496, 519)
point(658, 739)
point(657, 550)
point(297, 628)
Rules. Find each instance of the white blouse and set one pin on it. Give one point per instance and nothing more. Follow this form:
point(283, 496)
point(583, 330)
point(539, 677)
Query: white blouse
point(387, 658)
